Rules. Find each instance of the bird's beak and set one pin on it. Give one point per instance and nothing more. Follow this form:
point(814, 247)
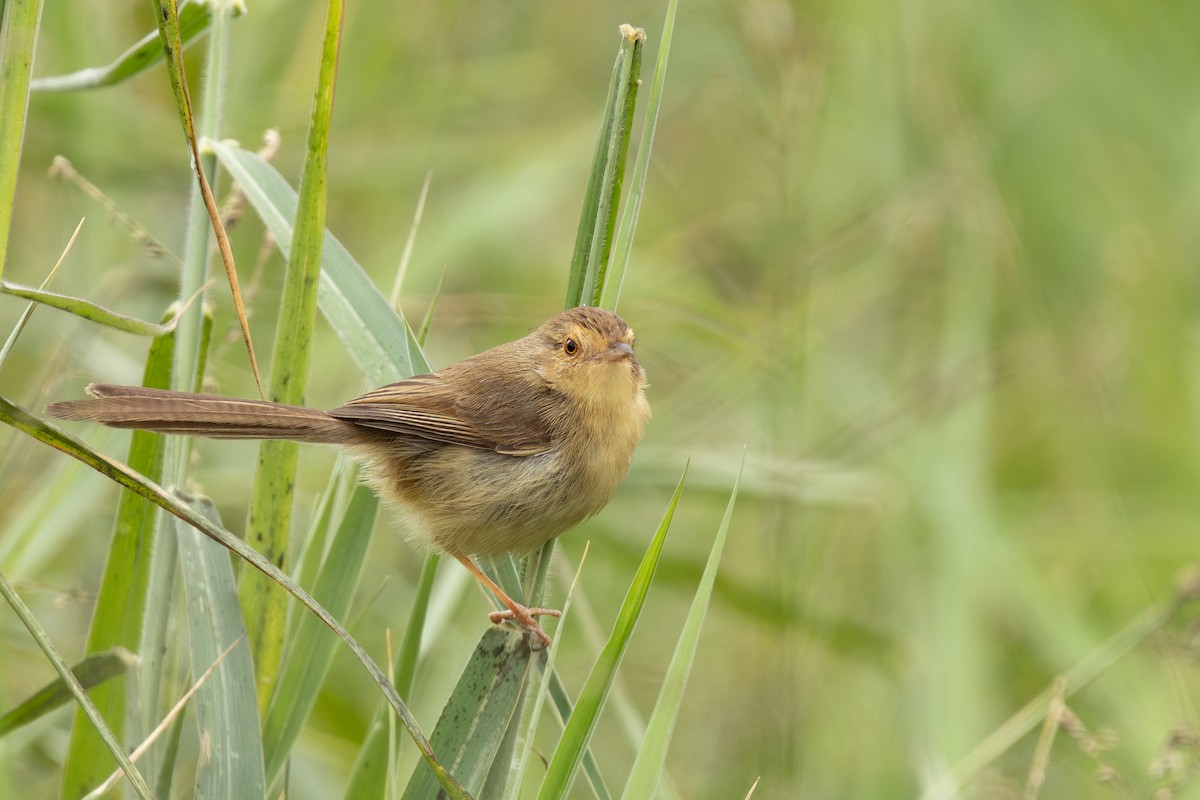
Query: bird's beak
point(616, 352)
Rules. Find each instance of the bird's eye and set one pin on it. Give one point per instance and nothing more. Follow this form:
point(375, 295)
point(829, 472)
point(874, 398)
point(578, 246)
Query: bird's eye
point(570, 347)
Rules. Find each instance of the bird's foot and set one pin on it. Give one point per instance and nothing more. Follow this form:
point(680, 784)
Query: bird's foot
point(526, 618)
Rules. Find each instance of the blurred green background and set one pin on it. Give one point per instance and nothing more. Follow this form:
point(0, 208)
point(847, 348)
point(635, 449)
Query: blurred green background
point(933, 265)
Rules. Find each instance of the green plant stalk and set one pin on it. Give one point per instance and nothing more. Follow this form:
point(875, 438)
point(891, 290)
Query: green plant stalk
point(623, 245)
point(19, 22)
point(574, 741)
point(13, 415)
point(64, 671)
point(269, 525)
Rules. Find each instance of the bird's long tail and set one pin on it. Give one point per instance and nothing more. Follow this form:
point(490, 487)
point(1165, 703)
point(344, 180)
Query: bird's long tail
point(202, 415)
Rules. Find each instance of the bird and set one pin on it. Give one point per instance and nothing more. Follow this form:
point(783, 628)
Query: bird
point(492, 455)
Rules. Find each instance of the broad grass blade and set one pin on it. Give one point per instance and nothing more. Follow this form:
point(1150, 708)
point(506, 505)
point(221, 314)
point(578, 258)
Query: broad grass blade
point(472, 726)
point(372, 333)
point(226, 707)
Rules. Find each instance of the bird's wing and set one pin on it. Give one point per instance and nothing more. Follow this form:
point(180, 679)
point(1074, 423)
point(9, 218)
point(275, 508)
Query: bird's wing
point(429, 407)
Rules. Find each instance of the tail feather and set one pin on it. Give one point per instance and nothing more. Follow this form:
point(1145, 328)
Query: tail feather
point(210, 416)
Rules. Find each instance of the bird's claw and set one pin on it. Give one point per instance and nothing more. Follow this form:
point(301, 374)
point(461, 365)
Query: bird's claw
point(526, 618)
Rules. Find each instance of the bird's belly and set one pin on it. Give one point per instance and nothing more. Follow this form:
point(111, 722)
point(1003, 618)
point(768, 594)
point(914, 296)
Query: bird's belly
point(479, 502)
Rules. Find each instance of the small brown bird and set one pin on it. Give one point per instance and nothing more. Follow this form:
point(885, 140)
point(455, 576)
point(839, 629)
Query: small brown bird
point(495, 454)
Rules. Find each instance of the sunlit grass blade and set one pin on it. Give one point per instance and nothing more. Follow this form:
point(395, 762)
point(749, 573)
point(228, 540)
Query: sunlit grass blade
point(371, 331)
point(64, 671)
point(569, 751)
point(471, 728)
point(118, 615)
point(225, 706)
point(20, 419)
point(311, 647)
point(92, 671)
point(194, 21)
point(19, 21)
point(623, 244)
point(652, 754)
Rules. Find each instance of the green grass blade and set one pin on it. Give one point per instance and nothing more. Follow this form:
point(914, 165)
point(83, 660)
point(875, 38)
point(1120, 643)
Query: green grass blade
point(121, 601)
point(13, 415)
point(311, 647)
point(93, 671)
point(19, 21)
point(372, 333)
point(571, 747)
point(270, 523)
point(623, 244)
point(471, 728)
point(226, 709)
point(43, 641)
point(194, 21)
point(561, 699)
point(632, 41)
point(91, 311)
point(576, 289)
point(652, 754)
